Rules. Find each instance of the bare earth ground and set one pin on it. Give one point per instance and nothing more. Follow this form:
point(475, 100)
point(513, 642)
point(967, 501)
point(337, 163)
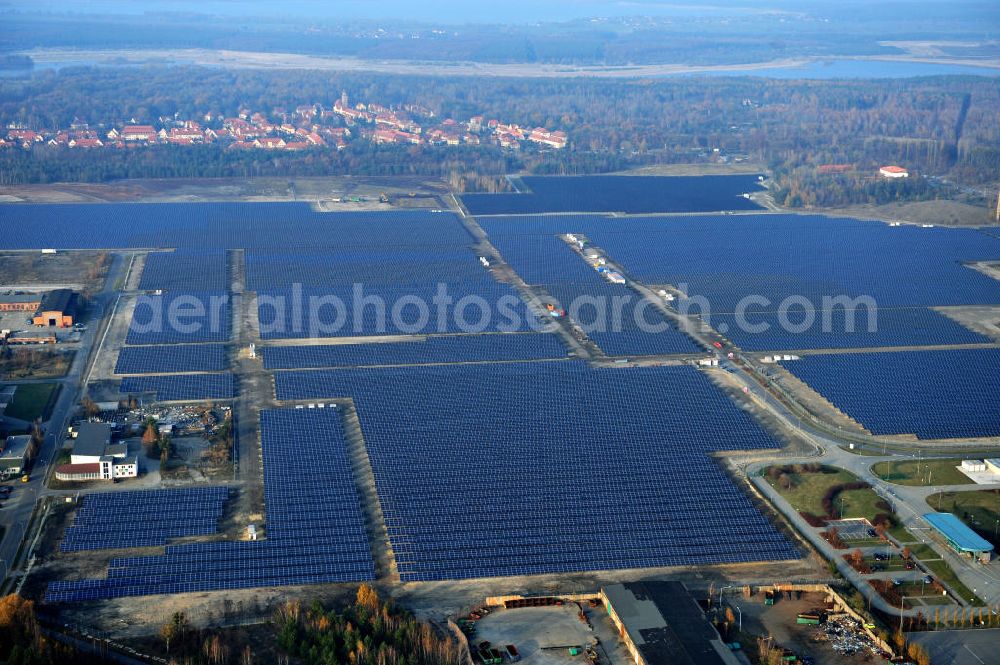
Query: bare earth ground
point(180, 190)
point(256, 60)
point(428, 600)
point(940, 213)
point(47, 271)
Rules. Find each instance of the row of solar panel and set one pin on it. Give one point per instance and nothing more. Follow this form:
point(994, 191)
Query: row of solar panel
point(171, 359)
point(142, 519)
point(221, 225)
point(522, 476)
point(455, 348)
point(398, 267)
point(932, 394)
point(181, 317)
point(314, 535)
point(185, 270)
point(182, 387)
point(775, 266)
point(620, 321)
point(385, 310)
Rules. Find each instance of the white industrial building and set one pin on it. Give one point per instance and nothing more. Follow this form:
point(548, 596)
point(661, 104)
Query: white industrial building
point(974, 465)
point(14, 457)
point(94, 457)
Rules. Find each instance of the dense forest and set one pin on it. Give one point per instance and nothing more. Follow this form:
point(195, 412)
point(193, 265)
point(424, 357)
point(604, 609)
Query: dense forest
point(24, 642)
point(369, 632)
point(940, 126)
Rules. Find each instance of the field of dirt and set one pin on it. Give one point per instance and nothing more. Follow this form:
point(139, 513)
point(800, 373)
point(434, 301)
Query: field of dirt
point(426, 191)
point(939, 213)
point(69, 270)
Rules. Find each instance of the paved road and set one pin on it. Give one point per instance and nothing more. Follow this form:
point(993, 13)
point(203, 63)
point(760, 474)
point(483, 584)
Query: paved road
point(16, 512)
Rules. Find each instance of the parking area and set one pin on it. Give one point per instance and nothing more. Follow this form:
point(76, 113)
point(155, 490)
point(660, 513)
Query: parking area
point(959, 647)
point(853, 529)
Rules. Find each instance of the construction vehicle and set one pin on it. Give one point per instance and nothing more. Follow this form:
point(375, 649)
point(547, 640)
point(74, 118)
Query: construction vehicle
point(383, 198)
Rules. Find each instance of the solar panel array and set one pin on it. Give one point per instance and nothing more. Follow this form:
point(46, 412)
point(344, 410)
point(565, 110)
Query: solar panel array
point(725, 259)
point(385, 310)
point(121, 520)
point(277, 269)
point(181, 318)
point(932, 394)
point(617, 319)
point(544, 259)
point(314, 525)
point(454, 348)
point(182, 387)
point(171, 358)
point(620, 321)
point(629, 194)
point(186, 270)
point(837, 329)
point(218, 225)
point(522, 468)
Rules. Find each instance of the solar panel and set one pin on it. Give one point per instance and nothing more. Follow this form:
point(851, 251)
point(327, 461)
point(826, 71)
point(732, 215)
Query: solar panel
point(315, 530)
point(373, 310)
point(171, 358)
point(180, 318)
point(186, 270)
point(454, 348)
point(143, 518)
point(761, 265)
point(537, 449)
point(220, 226)
point(629, 194)
point(182, 387)
point(932, 394)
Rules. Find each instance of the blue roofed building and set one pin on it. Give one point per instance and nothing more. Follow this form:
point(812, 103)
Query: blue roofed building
point(960, 537)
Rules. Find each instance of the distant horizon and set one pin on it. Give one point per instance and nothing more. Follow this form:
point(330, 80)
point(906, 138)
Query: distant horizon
point(513, 12)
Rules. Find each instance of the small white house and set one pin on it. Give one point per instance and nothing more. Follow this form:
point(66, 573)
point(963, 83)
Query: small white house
point(893, 172)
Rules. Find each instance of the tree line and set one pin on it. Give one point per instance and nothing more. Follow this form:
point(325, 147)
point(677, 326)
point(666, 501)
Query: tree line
point(945, 126)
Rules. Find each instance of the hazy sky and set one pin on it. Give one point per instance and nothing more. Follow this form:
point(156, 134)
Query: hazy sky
point(510, 11)
point(433, 11)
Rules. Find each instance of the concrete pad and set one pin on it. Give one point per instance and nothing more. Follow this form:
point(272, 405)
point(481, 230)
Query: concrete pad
point(536, 631)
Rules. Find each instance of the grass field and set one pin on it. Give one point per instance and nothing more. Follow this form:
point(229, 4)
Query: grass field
point(941, 570)
point(922, 472)
point(979, 509)
point(807, 490)
point(864, 452)
point(924, 552)
point(902, 534)
point(32, 400)
point(34, 364)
